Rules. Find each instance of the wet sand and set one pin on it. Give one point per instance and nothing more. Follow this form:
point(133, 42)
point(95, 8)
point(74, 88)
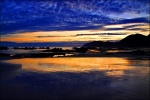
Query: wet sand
point(19, 84)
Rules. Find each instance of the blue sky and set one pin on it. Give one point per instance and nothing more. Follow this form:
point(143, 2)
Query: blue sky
point(54, 18)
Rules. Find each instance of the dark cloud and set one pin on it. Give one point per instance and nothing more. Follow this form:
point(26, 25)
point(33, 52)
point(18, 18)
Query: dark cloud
point(135, 25)
point(134, 20)
point(100, 34)
point(111, 29)
point(140, 21)
point(138, 29)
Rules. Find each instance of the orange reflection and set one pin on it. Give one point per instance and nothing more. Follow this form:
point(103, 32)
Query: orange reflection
point(110, 65)
point(115, 73)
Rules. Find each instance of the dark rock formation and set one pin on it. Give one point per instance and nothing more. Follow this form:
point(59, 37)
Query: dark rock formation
point(135, 40)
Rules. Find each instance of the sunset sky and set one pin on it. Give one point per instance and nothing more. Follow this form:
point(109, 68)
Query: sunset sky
point(74, 21)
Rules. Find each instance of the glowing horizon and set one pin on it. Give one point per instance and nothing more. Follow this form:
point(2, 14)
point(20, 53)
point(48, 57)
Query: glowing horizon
point(69, 36)
point(56, 21)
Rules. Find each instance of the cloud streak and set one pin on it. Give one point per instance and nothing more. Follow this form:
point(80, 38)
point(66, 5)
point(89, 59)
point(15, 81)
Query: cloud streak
point(92, 34)
point(49, 36)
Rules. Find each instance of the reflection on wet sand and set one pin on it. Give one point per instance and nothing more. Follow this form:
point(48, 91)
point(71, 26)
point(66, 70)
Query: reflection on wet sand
point(112, 66)
point(105, 78)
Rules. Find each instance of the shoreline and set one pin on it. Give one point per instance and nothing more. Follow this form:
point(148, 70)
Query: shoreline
point(138, 57)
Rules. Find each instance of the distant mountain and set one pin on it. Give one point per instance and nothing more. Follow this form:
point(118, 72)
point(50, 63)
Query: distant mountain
point(135, 40)
point(99, 44)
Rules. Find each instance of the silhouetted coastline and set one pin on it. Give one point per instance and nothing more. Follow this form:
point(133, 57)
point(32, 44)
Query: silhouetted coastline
point(132, 45)
point(131, 41)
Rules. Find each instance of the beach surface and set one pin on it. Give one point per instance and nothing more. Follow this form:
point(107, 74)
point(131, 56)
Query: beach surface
point(75, 78)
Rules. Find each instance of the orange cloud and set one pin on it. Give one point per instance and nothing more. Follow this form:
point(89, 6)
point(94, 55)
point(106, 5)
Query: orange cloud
point(67, 36)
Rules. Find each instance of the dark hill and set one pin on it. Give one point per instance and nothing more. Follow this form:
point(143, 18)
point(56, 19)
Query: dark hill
point(99, 44)
point(135, 40)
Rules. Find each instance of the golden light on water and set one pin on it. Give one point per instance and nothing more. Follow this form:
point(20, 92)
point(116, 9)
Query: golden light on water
point(110, 66)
